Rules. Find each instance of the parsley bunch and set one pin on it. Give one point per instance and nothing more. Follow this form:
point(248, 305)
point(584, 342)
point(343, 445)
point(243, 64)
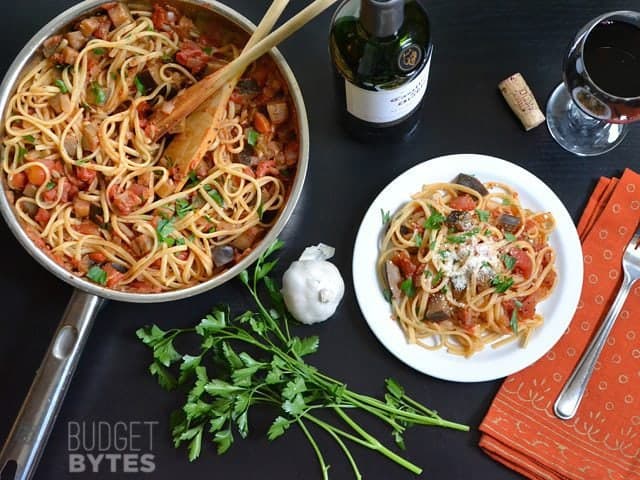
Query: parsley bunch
point(253, 358)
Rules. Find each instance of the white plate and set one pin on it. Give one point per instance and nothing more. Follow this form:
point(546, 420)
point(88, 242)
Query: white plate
point(490, 363)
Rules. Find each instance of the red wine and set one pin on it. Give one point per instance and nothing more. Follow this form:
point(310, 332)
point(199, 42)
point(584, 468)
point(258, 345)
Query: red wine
point(612, 58)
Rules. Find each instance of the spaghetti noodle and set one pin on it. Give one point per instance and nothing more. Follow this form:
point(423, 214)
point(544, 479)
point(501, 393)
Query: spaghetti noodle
point(466, 264)
point(94, 191)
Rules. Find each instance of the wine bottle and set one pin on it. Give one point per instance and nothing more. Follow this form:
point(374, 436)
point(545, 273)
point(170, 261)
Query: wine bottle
point(381, 52)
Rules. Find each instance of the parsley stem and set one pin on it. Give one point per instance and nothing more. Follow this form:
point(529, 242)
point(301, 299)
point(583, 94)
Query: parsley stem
point(376, 445)
point(323, 465)
point(347, 453)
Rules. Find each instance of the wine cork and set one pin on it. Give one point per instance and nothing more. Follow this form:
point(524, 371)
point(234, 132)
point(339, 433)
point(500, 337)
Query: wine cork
point(519, 97)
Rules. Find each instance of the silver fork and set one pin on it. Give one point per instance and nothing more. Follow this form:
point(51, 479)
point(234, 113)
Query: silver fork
point(567, 403)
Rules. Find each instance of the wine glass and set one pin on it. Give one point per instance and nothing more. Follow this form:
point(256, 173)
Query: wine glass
point(588, 113)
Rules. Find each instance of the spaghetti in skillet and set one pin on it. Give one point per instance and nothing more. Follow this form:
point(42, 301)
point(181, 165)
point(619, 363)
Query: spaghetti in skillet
point(464, 265)
point(92, 188)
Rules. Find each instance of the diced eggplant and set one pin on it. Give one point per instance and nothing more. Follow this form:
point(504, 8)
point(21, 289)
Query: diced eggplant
point(69, 55)
point(460, 220)
point(394, 277)
point(278, 111)
point(89, 25)
point(50, 45)
point(438, 308)
point(404, 230)
point(470, 182)
point(71, 144)
point(76, 39)
point(60, 103)
point(119, 13)
point(222, 255)
point(95, 214)
point(509, 223)
point(247, 156)
point(119, 267)
point(147, 81)
point(90, 139)
point(248, 86)
point(142, 244)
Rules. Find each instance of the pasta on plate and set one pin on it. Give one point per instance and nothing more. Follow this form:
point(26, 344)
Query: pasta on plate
point(464, 264)
point(95, 189)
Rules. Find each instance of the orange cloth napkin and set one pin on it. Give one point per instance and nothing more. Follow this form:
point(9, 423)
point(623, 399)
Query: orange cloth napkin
point(602, 442)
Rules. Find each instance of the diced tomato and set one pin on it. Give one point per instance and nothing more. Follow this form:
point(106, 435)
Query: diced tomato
point(528, 308)
point(402, 260)
point(126, 202)
point(51, 194)
point(291, 152)
point(523, 265)
point(42, 217)
point(114, 277)
point(159, 18)
point(260, 73)
point(141, 286)
point(140, 190)
point(418, 273)
point(85, 174)
point(98, 257)
point(463, 202)
point(88, 228)
point(103, 29)
point(18, 181)
point(262, 123)
point(191, 56)
point(36, 175)
point(463, 318)
point(267, 167)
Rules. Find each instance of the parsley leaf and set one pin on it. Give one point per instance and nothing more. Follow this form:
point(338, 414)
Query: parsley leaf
point(99, 94)
point(509, 261)
point(164, 229)
point(97, 275)
point(252, 137)
point(461, 238)
point(50, 185)
point(139, 85)
point(99, 51)
point(502, 283)
point(386, 293)
point(506, 201)
point(61, 86)
point(193, 178)
point(483, 215)
point(407, 287)
point(183, 207)
point(418, 240)
point(437, 278)
point(435, 221)
point(260, 211)
point(514, 321)
point(510, 237)
point(386, 216)
point(29, 139)
point(213, 193)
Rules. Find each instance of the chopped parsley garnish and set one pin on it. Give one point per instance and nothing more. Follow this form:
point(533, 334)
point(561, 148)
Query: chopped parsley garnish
point(99, 94)
point(510, 237)
point(427, 273)
point(164, 229)
point(260, 211)
point(502, 283)
point(443, 254)
point(514, 321)
point(180, 241)
point(252, 137)
point(509, 261)
point(407, 287)
point(183, 207)
point(193, 178)
point(99, 51)
point(167, 58)
point(487, 232)
point(485, 264)
point(29, 139)
point(387, 295)
point(139, 85)
point(97, 275)
point(61, 86)
point(437, 278)
point(50, 185)
point(213, 193)
point(386, 216)
point(432, 244)
point(435, 220)
point(418, 240)
point(208, 50)
point(506, 201)
point(461, 238)
point(483, 215)
point(21, 153)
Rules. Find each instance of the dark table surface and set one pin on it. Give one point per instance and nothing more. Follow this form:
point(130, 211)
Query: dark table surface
point(477, 45)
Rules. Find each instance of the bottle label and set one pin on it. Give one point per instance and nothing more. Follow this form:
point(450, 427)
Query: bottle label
point(384, 106)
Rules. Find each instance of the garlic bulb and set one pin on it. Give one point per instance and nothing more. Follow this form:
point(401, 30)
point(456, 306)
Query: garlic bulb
point(312, 287)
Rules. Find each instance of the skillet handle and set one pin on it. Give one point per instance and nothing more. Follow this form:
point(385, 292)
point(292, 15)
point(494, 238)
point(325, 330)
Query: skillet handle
point(24, 446)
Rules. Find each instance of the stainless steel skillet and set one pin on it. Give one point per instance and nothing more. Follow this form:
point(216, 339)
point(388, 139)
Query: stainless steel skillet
point(26, 441)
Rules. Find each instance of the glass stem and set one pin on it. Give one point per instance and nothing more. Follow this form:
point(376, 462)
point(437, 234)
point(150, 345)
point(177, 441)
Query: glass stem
point(581, 122)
